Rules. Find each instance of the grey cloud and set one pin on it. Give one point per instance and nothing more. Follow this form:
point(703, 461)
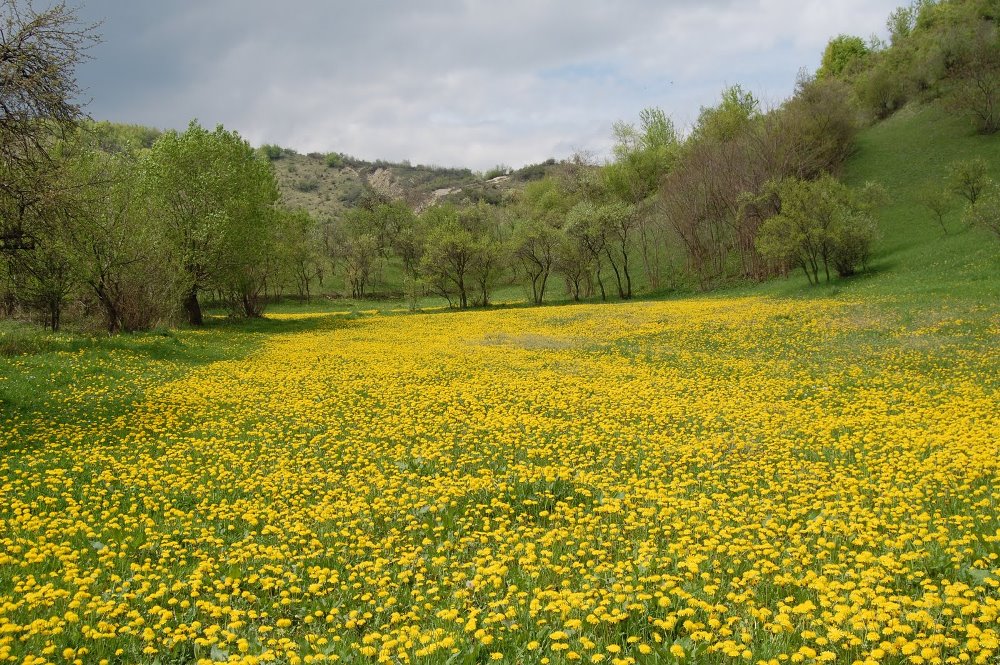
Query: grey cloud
point(447, 82)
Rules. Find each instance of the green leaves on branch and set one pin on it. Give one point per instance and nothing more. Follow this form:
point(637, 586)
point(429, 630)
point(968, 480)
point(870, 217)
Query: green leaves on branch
point(822, 225)
point(216, 199)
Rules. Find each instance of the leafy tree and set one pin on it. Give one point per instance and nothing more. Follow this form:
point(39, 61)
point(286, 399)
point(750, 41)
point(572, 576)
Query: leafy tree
point(730, 118)
point(534, 246)
point(643, 156)
point(986, 213)
point(449, 254)
point(823, 224)
point(937, 201)
point(901, 22)
point(215, 199)
point(117, 252)
point(975, 90)
point(541, 213)
point(272, 152)
point(334, 160)
point(844, 55)
point(489, 252)
point(583, 227)
point(813, 133)
point(360, 257)
point(39, 99)
point(882, 88)
point(299, 248)
point(968, 178)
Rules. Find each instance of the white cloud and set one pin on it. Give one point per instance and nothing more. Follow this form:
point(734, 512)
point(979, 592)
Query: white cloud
point(449, 82)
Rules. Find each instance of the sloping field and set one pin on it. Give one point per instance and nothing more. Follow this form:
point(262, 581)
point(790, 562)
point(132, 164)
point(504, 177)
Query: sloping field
point(710, 480)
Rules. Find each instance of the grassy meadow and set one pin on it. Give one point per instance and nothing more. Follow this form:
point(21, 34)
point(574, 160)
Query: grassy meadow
point(772, 474)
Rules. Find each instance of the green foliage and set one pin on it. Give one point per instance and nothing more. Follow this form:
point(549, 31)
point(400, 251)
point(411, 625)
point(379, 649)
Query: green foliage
point(730, 118)
point(643, 155)
point(968, 178)
point(497, 171)
point(216, 201)
point(116, 137)
point(307, 185)
point(937, 201)
point(883, 88)
point(334, 160)
point(986, 212)
point(902, 21)
point(975, 86)
point(298, 249)
point(844, 55)
point(272, 152)
point(822, 225)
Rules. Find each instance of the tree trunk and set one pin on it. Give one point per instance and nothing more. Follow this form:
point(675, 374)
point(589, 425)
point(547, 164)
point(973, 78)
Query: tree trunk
point(193, 308)
point(55, 308)
point(111, 315)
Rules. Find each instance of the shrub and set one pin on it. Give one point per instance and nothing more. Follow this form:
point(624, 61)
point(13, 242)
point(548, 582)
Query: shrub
point(334, 160)
point(968, 178)
point(309, 184)
point(986, 212)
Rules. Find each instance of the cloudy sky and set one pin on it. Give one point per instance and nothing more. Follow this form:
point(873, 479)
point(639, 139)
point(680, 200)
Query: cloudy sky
point(448, 82)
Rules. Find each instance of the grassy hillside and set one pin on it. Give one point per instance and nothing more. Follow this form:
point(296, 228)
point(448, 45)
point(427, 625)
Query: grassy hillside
point(908, 153)
point(914, 260)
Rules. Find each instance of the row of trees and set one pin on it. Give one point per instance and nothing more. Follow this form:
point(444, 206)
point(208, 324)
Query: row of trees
point(138, 234)
point(717, 204)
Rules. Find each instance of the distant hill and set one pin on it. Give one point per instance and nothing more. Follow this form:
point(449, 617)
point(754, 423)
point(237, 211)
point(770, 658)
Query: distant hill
point(326, 185)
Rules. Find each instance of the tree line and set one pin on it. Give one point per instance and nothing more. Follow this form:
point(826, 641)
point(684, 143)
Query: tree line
point(138, 227)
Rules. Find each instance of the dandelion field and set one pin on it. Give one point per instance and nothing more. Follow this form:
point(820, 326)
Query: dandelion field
point(720, 480)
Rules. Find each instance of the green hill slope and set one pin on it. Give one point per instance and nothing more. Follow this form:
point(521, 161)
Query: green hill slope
point(909, 153)
point(915, 263)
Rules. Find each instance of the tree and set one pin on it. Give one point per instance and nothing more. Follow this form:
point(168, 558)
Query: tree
point(968, 178)
point(360, 255)
point(39, 99)
point(541, 213)
point(121, 257)
point(586, 228)
point(215, 199)
point(986, 213)
point(937, 201)
point(730, 118)
point(823, 224)
point(844, 55)
point(975, 89)
point(534, 246)
point(484, 223)
point(813, 133)
point(299, 245)
point(449, 253)
point(901, 22)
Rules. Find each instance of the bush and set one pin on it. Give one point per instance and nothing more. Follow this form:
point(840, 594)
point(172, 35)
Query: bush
point(334, 160)
point(823, 224)
point(307, 184)
point(497, 171)
point(272, 152)
point(968, 178)
point(986, 212)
